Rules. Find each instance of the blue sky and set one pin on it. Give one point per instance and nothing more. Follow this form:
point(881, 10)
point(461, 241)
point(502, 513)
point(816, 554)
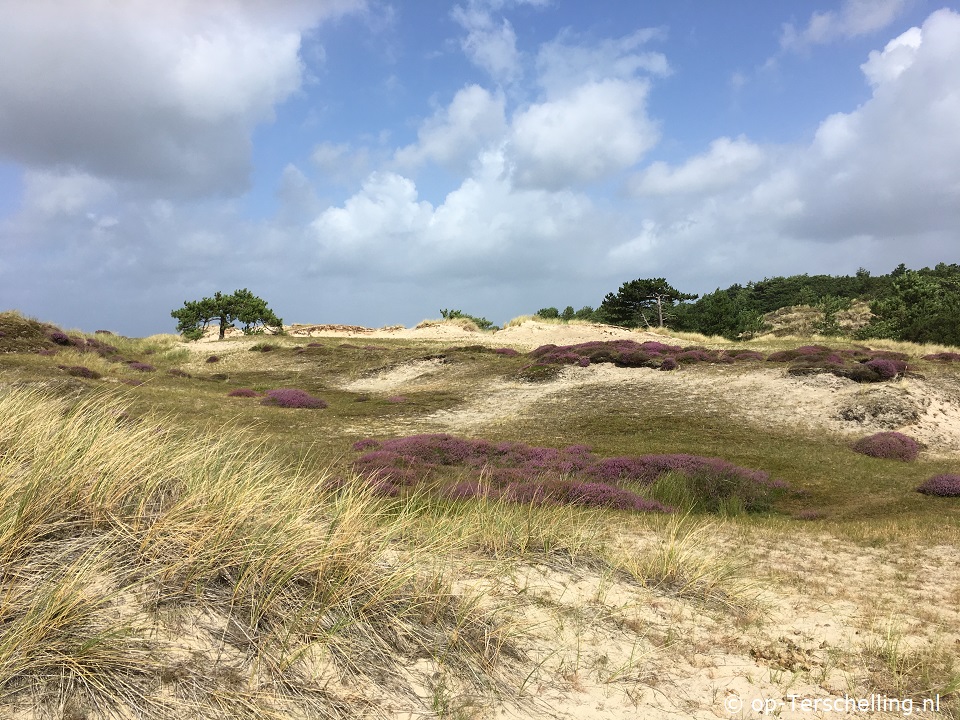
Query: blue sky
point(368, 162)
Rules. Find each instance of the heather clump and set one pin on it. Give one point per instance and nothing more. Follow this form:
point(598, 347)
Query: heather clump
point(81, 371)
point(573, 474)
point(293, 398)
point(860, 364)
point(947, 485)
point(888, 446)
point(141, 367)
point(943, 357)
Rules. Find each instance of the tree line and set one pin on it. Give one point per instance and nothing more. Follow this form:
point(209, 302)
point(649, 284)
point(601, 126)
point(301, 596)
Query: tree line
point(916, 305)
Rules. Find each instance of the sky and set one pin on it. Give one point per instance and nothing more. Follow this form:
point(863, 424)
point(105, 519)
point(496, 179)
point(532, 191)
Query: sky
point(372, 162)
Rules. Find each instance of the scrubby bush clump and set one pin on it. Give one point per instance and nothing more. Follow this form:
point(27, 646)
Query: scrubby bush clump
point(81, 371)
point(858, 364)
point(943, 357)
point(888, 446)
point(516, 471)
point(141, 367)
point(293, 398)
point(941, 486)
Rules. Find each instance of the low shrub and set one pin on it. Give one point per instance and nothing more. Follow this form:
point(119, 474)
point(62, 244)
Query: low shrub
point(888, 446)
point(509, 352)
point(177, 372)
point(941, 486)
point(943, 357)
point(213, 359)
point(263, 347)
point(293, 398)
point(243, 392)
point(573, 474)
point(60, 338)
point(669, 364)
point(886, 369)
point(141, 367)
point(81, 371)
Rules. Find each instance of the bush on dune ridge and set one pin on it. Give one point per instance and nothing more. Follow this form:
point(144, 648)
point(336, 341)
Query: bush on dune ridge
point(860, 365)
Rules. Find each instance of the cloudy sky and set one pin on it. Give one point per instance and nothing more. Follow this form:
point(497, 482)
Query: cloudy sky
point(371, 162)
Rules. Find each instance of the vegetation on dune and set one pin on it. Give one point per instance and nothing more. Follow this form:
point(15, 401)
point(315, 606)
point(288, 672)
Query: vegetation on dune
point(860, 364)
point(915, 305)
point(156, 562)
point(523, 473)
point(888, 446)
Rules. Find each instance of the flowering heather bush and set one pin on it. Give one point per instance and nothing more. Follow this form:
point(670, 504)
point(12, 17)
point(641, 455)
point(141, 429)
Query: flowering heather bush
point(695, 355)
point(60, 338)
point(292, 398)
point(571, 475)
point(669, 364)
point(886, 369)
point(888, 446)
point(749, 355)
point(141, 367)
point(263, 347)
point(941, 486)
point(131, 381)
point(81, 371)
point(943, 357)
point(177, 372)
point(213, 359)
point(509, 352)
point(243, 392)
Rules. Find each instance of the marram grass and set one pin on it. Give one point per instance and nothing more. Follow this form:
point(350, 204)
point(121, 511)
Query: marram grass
point(114, 534)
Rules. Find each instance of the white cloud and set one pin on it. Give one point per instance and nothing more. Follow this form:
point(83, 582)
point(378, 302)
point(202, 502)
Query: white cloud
point(564, 63)
point(723, 165)
point(341, 162)
point(490, 44)
point(855, 18)
point(161, 94)
point(899, 54)
point(598, 129)
point(455, 134)
point(484, 226)
point(64, 192)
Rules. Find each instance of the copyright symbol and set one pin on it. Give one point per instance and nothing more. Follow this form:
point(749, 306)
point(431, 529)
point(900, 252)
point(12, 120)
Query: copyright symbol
point(733, 704)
